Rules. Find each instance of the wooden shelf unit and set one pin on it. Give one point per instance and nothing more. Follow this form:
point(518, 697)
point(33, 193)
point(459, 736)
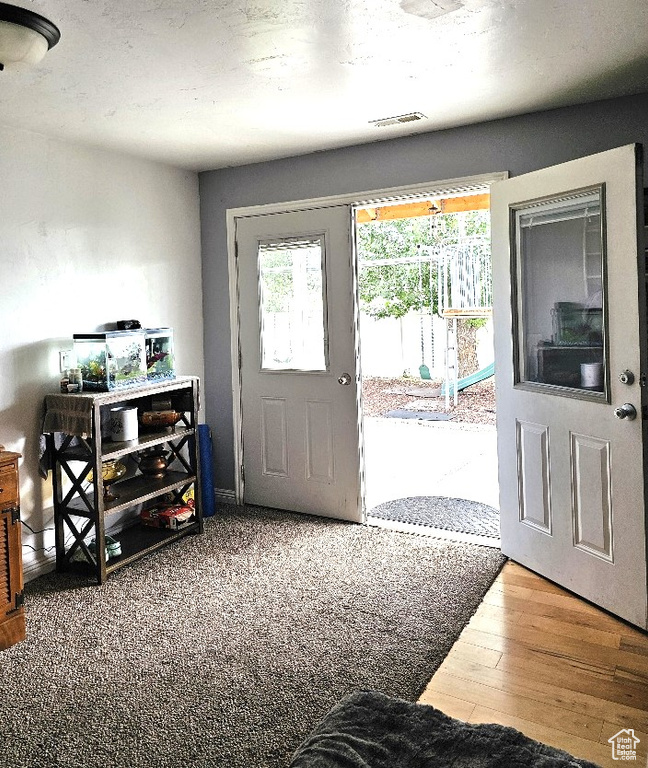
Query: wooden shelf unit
point(83, 514)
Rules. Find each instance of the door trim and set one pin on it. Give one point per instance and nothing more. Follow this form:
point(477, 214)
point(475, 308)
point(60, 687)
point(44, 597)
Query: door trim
point(373, 197)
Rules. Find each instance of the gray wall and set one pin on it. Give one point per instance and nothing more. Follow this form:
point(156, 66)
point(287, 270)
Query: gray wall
point(86, 238)
point(517, 144)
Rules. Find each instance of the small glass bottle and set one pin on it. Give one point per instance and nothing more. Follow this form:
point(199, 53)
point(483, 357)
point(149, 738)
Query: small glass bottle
point(76, 380)
point(65, 380)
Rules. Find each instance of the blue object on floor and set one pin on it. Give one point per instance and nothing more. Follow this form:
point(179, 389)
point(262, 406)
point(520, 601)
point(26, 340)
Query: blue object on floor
point(206, 470)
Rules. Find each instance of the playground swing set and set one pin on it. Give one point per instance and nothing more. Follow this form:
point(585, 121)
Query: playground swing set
point(464, 284)
point(464, 290)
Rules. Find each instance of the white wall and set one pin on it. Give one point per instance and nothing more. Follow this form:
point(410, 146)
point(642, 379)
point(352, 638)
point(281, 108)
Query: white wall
point(86, 238)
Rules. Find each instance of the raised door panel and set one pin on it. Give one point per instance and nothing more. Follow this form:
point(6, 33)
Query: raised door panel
point(274, 436)
point(592, 495)
point(534, 482)
point(319, 441)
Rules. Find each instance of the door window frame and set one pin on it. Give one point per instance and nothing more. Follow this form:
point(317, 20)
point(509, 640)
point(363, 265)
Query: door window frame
point(516, 269)
point(321, 238)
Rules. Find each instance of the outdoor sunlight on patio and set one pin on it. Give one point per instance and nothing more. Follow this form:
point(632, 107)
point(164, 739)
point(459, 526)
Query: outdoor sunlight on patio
point(428, 393)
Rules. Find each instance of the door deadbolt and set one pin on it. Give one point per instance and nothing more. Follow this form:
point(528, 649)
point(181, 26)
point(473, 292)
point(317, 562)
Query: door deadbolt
point(627, 377)
point(626, 411)
point(344, 380)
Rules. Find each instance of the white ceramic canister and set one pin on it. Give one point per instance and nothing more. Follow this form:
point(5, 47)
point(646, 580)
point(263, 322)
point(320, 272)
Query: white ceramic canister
point(591, 375)
point(123, 424)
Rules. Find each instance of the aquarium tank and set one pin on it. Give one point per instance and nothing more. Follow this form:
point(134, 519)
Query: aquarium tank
point(111, 360)
point(160, 362)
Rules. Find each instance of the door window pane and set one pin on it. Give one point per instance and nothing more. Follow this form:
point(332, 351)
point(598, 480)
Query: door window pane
point(560, 317)
point(292, 305)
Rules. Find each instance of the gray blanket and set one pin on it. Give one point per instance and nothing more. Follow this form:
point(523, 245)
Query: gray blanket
point(371, 730)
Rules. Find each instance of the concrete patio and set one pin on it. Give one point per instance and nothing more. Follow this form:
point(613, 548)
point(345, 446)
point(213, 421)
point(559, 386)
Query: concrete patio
point(404, 457)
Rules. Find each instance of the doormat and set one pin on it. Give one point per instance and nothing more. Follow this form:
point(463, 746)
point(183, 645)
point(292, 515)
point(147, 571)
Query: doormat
point(419, 415)
point(458, 515)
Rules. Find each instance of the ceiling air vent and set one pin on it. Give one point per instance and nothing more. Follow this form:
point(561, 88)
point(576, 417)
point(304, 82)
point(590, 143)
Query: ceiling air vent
point(409, 118)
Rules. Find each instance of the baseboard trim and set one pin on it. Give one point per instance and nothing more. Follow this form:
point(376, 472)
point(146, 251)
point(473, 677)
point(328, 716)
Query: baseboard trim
point(224, 496)
point(38, 568)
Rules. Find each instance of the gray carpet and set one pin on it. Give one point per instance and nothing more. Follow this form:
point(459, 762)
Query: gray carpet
point(459, 515)
point(226, 649)
point(370, 730)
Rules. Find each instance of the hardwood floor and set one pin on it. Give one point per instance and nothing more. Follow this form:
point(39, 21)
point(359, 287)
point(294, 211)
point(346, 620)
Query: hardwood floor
point(538, 659)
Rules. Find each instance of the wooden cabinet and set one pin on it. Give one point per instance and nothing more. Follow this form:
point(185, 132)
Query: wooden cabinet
point(85, 510)
point(12, 613)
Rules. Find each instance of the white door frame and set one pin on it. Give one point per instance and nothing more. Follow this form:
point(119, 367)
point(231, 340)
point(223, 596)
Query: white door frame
point(374, 197)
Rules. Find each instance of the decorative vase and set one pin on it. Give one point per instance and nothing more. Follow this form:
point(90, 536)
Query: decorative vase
point(153, 463)
point(111, 471)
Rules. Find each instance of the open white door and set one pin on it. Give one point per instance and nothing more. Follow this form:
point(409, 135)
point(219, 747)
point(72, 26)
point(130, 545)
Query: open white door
point(298, 370)
point(570, 336)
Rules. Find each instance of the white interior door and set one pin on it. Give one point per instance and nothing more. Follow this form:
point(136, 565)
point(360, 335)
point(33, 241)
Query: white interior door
point(570, 335)
point(298, 371)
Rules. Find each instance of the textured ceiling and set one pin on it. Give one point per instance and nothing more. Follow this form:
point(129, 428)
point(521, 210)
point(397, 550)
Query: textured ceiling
point(209, 83)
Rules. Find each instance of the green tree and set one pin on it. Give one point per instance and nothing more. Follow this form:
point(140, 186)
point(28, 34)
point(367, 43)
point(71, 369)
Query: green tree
point(393, 290)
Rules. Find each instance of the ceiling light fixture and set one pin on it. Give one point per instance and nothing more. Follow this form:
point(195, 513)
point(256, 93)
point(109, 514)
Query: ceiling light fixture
point(25, 37)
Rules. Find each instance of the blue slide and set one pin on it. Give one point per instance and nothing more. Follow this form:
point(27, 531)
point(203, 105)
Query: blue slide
point(468, 381)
